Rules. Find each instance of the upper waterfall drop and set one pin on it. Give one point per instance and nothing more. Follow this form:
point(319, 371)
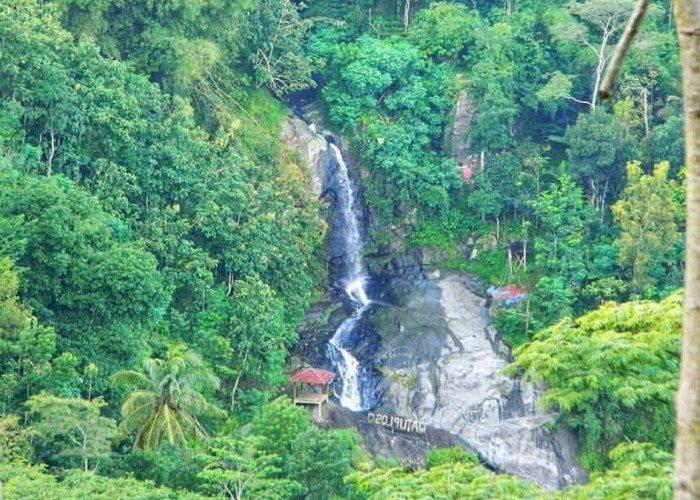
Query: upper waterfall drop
point(353, 241)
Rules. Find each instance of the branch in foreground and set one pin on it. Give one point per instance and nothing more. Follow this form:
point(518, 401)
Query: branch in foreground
point(606, 88)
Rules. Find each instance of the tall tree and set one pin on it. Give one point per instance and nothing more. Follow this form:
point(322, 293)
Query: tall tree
point(239, 470)
point(25, 346)
point(245, 337)
point(605, 18)
point(608, 18)
point(648, 218)
point(687, 461)
point(167, 402)
point(87, 434)
point(274, 38)
point(597, 151)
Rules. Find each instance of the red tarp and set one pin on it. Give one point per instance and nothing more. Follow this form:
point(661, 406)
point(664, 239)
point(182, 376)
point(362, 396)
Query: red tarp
point(467, 172)
point(510, 294)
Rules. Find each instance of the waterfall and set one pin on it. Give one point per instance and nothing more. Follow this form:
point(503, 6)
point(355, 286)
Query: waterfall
point(353, 281)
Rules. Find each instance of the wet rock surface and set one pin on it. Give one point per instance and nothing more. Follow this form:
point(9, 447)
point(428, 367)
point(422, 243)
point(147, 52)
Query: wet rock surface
point(429, 350)
point(441, 361)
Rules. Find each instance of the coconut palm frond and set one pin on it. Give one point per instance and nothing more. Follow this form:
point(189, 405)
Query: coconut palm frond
point(167, 402)
point(131, 378)
point(171, 426)
point(196, 404)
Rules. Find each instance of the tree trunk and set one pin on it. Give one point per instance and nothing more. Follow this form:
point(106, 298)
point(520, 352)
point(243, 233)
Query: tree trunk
point(645, 111)
point(406, 14)
point(86, 463)
point(600, 67)
point(508, 7)
point(238, 379)
point(687, 452)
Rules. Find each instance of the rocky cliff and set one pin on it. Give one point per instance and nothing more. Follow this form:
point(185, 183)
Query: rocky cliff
point(441, 362)
point(312, 148)
point(429, 338)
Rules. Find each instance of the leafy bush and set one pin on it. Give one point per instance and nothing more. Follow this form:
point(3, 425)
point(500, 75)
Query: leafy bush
point(612, 373)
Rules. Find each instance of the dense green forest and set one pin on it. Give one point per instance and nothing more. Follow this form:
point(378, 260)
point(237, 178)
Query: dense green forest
point(159, 245)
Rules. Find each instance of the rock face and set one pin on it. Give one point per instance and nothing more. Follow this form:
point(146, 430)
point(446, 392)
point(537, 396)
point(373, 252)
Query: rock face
point(429, 336)
point(312, 147)
point(409, 449)
point(441, 362)
point(465, 112)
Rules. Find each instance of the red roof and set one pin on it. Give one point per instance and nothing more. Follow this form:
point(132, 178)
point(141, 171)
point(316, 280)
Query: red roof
point(313, 376)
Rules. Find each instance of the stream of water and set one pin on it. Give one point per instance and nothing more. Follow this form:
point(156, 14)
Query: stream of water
point(354, 283)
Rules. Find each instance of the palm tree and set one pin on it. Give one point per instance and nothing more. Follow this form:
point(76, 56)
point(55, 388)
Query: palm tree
point(166, 402)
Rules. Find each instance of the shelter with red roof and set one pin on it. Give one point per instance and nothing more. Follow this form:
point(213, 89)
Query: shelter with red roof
point(312, 386)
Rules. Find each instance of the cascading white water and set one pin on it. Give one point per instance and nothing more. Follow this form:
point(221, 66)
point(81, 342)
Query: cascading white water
point(353, 282)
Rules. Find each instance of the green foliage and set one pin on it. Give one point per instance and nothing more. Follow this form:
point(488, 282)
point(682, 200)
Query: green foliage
point(496, 191)
point(73, 427)
point(445, 31)
point(245, 335)
point(280, 455)
point(453, 475)
point(144, 198)
point(638, 470)
point(24, 481)
point(490, 265)
point(611, 373)
point(275, 41)
point(504, 70)
point(320, 461)
point(444, 233)
point(26, 347)
point(79, 269)
point(559, 247)
point(238, 469)
point(666, 143)
point(395, 101)
point(648, 215)
point(14, 441)
point(445, 456)
point(167, 402)
point(278, 426)
point(512, 324)
point(597, 150)
point(175, 468)
point(171, 212)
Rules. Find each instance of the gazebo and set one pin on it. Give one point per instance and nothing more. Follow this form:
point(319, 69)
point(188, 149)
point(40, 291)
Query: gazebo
point(315, 387)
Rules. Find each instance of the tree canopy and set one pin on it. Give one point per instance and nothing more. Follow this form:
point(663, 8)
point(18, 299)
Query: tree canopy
point(159, 244)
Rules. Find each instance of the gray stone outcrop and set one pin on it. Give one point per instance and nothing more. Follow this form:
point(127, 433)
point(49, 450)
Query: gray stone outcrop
point(312, 148)
point(441, 361)
point(439, 357)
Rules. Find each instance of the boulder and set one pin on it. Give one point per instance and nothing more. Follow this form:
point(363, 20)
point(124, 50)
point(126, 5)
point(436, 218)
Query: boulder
point(312, 148)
